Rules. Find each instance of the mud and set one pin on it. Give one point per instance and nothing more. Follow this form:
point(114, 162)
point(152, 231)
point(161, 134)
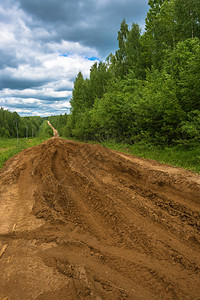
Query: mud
point(79, 221)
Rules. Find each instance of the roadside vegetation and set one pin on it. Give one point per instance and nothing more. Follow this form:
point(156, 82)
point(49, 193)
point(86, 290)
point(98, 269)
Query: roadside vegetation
point(148, 90)
point(11, 146)
point(14, 126)
point(45, 131)
point(179, 156)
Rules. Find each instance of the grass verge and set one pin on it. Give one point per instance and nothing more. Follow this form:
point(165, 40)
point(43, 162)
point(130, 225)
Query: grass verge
point(10, 147)
point(187, 158)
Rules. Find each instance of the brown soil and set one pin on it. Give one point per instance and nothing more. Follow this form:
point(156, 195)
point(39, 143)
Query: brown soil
point(79, 221)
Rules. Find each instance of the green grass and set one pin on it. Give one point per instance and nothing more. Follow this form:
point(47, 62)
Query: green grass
point(10, 147)
point(187, 158)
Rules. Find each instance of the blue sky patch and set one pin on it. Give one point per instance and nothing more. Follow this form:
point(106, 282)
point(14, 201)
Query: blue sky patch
point(93, 58)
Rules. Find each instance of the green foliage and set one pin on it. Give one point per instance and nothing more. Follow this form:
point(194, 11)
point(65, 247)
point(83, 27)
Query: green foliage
point(187, 16)
point(59, 122)
point(190, 129)
point(113, 115)
point(82, 128)
point(45, 131)
point(183, 63)
point(158, 116)
point(134, 51)
point(121, 54)
point(12, 125)
point(149, 89)
point(168, 22)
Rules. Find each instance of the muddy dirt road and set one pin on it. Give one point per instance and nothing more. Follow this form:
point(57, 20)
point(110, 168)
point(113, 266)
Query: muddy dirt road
point(79, 221)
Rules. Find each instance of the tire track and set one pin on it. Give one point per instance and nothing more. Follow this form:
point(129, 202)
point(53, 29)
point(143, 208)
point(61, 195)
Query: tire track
point(107, 224)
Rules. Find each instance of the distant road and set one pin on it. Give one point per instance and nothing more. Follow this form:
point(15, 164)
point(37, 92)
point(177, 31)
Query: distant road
point(55, 132)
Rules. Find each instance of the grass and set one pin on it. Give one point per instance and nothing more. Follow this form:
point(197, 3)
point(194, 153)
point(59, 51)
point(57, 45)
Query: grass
point(10, 147)
point(187, 158)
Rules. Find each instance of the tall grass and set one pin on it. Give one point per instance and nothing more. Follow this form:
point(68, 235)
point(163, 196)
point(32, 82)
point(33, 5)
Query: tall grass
point(179, 156)
point(10, 147)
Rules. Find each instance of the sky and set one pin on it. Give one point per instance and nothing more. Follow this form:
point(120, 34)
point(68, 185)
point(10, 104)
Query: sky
point(45, 43)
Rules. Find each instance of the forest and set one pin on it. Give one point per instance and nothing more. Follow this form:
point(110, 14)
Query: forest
point(148, 90)
point(12, 125)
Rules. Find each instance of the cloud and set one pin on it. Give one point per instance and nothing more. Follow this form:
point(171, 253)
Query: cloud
point(44, 44)
point(93, 23)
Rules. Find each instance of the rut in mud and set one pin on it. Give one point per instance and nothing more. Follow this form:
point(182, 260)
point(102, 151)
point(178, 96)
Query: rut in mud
point(79, 221)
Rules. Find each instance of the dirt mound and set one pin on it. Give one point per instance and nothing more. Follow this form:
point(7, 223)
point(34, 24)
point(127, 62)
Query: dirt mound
point(79, 221)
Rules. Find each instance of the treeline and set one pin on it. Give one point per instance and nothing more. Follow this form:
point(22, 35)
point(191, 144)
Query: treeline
point(149, 89)
point(13, 126)
point(60, 123)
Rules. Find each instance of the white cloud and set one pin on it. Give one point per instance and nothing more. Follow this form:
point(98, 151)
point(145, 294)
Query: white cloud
point(69, 47)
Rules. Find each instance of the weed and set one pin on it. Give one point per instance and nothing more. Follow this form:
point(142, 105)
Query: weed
point(10, 147)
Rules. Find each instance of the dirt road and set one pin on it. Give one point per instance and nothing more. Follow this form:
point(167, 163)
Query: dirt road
point(79, 221)
point(55, 132)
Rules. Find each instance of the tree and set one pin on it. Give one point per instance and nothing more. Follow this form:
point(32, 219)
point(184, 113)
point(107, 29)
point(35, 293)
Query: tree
point(133, 50)
point(99, 78)
point(187, 15)
point(121, 53)
point(78, 95)
point(157, 111)
point(183, 64)
point(160, 29)
point(148, 89)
